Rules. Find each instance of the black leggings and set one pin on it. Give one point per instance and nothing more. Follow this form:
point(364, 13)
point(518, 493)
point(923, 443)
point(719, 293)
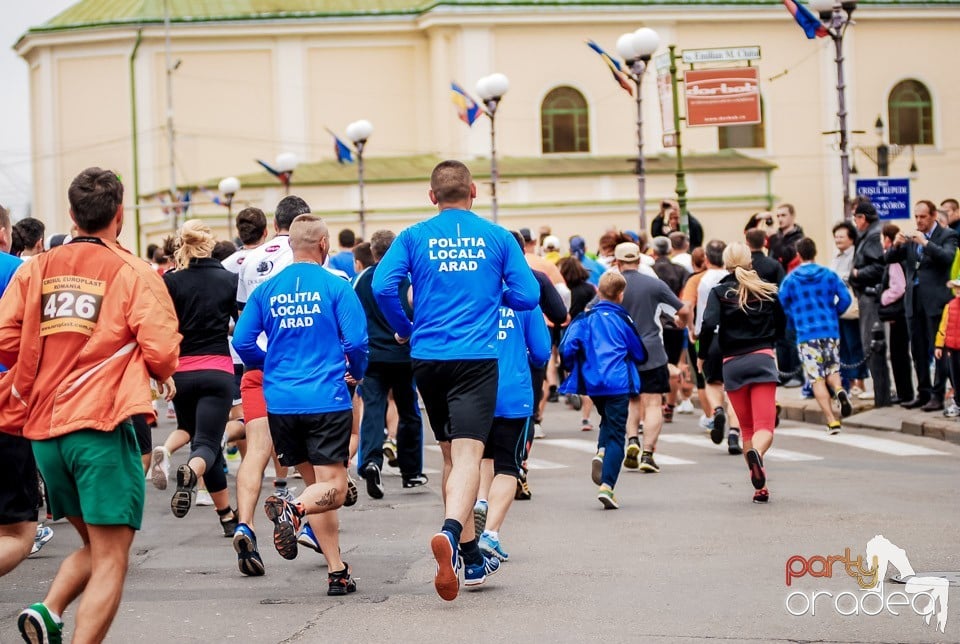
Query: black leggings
point(203, 403)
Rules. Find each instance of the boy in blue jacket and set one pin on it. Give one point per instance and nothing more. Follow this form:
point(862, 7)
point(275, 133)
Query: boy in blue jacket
point(601, 350)
point(523, 341)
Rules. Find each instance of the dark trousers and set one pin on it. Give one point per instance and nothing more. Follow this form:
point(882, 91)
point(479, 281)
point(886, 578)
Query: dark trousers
point(788, 357)
point(953, 361)
point(203, 403)
point(851, 352)
point(380, 379)
point(613, 433)
point(900, 362)
point(923, 331)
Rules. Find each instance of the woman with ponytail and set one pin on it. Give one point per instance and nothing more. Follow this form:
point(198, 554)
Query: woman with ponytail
point(743, 316)
point(204, 295)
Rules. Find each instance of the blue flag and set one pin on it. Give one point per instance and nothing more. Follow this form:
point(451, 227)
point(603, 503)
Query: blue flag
point(810, 24)
point(341, 149)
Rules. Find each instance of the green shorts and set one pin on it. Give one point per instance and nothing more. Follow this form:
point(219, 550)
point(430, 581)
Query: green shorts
point(94, 475)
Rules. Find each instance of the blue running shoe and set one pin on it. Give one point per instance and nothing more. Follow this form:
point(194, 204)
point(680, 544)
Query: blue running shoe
point(474, 575)
point(491, 547)
point(307, 539)
point(44, 534)
point(447, 553)
point(248, 557)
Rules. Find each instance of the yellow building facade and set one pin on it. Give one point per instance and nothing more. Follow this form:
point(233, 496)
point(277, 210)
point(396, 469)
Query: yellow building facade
point(251, 83)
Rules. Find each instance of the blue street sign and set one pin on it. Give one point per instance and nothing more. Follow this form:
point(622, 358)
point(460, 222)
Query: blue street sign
point(891, 197)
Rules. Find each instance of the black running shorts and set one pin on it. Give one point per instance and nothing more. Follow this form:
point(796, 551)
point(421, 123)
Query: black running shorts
point(507, 444)
point(144, 435)
point(655, 381)
point(318, 439)
point(460, 396)
point(19, 484)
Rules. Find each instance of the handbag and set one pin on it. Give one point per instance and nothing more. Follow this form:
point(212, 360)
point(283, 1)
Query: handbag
point(893, 311)
point(853, 311)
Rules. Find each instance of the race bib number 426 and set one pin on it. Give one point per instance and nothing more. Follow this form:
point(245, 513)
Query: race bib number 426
point(70, 304)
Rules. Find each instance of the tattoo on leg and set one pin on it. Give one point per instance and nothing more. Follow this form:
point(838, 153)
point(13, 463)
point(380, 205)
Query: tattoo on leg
point(328, 500)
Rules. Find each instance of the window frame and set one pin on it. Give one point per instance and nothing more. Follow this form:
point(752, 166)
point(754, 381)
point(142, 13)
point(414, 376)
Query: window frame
point(922, 105)
point(581, 121)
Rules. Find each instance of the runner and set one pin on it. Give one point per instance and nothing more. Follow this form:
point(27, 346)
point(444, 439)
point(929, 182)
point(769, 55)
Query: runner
point(462, 268)
point(91, 314)
point(523, 340)
point(389, 371)
point(259, 265)
point(204, 295)
point(19, 483)
point(644, 299)
point(744, 310)
point(602, 350)
point(314, 325)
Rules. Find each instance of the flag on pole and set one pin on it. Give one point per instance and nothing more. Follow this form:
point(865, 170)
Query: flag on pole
point(266, 167)
point(810, 24)
point(467, 108)
point(340, 149)
point(615, 67)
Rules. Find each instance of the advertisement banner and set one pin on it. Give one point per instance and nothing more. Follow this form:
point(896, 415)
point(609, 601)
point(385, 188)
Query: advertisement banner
point(722, 96)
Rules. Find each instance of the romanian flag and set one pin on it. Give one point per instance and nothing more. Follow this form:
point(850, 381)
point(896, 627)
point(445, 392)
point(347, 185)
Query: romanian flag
point(810, 24)
point(467, 108)
point(341, 149)
point(615, 67)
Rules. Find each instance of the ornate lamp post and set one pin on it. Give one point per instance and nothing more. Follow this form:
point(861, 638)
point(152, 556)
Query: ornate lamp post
point(358, 132)
point(228, 187)
point(884, 153)
point(636, 48)
point(491, 89)
point(836, 16)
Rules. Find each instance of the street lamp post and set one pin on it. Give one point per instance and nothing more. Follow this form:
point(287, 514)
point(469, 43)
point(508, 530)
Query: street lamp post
point(228, 187)
point(359, 132)
point(636, 48)
point(884, 153)
point(285, 164)
point(491, 89)
point(836, 16)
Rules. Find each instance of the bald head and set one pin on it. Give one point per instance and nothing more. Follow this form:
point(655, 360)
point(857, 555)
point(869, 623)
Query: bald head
point(452, 185)
point(309, 238)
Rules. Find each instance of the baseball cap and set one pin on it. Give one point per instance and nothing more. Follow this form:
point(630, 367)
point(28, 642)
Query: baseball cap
point(953, 283)
point(525, 233)
point(866, 209)
point(627, 252)
point(550, 242)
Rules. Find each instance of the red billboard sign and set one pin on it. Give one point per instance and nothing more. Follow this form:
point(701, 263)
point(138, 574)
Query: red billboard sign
point(722, 96)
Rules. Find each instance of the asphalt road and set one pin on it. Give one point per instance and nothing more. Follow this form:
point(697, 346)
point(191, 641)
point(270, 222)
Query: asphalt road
point(688, 557)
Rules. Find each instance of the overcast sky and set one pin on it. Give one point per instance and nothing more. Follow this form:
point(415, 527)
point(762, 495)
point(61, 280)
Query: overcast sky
point(15, 19)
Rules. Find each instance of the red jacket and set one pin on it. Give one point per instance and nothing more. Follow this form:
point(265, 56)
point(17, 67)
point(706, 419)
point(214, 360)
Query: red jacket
point(82, 328)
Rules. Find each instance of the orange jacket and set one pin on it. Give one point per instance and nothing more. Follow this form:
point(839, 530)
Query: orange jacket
point(82, 328)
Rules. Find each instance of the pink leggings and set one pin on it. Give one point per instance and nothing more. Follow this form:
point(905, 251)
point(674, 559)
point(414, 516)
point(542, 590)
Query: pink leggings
point(756, 407)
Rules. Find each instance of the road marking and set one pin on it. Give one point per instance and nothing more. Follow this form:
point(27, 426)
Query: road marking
point(882, 445)
point(591, 448)
point(532, 463)
point(775, 454)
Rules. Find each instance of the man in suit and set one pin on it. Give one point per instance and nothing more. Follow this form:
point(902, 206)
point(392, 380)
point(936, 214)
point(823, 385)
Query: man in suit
point(927, 255)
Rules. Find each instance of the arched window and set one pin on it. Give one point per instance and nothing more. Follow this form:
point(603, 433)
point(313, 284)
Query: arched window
point(910, 112)
point(563, 118)
point(743, 136)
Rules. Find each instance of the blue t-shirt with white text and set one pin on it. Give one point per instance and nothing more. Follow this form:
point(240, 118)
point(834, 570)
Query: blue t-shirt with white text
point(315, 325)
point(462, 268)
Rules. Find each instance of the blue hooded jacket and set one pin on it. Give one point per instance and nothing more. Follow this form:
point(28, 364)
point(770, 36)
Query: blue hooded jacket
point(814, 297)
point(522, 340)
point(601, 350)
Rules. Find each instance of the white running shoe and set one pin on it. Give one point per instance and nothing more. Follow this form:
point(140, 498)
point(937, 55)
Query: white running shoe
point(203, 498)
point(706, 423)
point(159, 467)
point(952, 411)
point(538, 431)
point(685, 407)
point(44, 534)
